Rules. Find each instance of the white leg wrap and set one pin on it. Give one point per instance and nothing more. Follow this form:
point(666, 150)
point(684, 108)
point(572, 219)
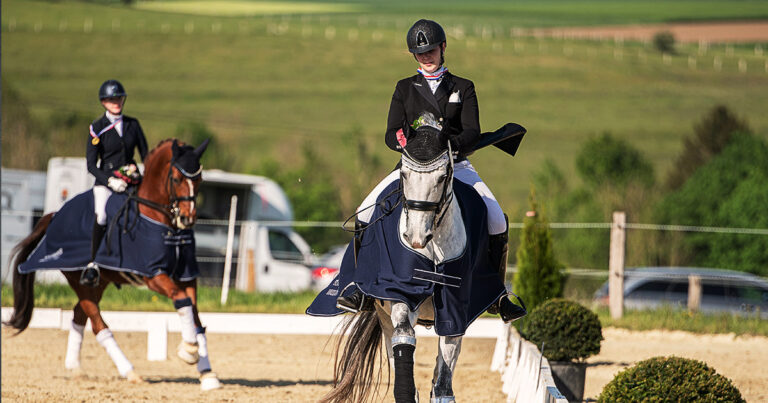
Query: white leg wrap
point(204, 365)
point(187, 324)
point(107, 341)
point(74, 344)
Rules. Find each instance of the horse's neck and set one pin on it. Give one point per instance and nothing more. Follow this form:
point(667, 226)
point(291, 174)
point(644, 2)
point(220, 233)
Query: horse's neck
point(448, 239)
point(151, 188)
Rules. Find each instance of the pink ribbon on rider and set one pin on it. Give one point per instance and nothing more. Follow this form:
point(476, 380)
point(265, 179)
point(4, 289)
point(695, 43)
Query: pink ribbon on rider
point(94, 135)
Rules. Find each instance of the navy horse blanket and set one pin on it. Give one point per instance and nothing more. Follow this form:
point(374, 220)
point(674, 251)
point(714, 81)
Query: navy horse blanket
point(461, 289)
point(133, 243)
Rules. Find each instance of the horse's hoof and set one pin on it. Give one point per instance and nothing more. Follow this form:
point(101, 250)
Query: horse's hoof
point(187, 352)
point(133, 377)
point(209, 381)
point(443, 399)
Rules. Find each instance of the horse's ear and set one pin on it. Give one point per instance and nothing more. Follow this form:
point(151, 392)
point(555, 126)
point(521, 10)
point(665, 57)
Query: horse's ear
point(175, 147)
point(201, 148)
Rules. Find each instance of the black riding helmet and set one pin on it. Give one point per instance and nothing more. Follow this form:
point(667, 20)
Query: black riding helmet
point(424, 36)
point(110, 89)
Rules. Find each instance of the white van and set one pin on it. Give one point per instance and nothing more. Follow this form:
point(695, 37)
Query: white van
point(269, 255)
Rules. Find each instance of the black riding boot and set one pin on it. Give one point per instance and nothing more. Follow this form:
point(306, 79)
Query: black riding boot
point(497, 250)
point(355, 302)
point(90, 276)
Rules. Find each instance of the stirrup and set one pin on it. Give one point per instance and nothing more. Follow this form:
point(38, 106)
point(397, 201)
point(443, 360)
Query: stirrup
point(349, 304)
point(91, 275)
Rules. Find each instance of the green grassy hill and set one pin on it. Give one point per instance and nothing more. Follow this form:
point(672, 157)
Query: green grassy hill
point(281, 74)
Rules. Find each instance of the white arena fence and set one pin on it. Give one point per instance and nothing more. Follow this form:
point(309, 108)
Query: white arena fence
point(525, 372)
point(158, 324)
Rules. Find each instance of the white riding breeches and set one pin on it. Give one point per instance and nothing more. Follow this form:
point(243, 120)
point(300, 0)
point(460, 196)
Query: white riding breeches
point(100, 196)
point(464, 172)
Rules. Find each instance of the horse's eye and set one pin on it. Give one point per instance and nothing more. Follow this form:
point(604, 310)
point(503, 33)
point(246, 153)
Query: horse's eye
point(176, 180)
point(442, 178)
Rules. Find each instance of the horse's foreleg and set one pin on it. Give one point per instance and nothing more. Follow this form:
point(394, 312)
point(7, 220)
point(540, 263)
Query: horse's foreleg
point(403, 349)
point(188, 350)
point(208, 379)
point(449, 348)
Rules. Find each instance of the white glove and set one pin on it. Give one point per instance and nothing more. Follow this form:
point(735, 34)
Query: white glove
point(116, 184)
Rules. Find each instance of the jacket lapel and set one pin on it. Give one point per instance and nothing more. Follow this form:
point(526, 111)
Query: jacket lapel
point(443, 90)
point(423, 88)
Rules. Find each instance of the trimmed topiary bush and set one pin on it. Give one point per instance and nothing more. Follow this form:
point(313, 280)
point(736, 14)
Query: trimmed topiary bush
point(568, 330)
point(670, 379)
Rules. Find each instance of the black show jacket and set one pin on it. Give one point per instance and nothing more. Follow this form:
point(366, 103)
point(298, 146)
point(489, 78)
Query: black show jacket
point(114, 151)
point(454, 103)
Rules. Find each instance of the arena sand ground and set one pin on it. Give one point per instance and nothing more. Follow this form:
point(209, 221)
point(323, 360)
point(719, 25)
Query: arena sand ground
point(277, 368)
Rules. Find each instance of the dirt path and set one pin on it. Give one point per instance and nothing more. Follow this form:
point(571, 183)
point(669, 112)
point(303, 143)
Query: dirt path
point(252, 367)
point(720, 32)
point(298, 368)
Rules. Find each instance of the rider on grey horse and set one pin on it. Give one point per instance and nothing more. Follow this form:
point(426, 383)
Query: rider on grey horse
point(452, 100)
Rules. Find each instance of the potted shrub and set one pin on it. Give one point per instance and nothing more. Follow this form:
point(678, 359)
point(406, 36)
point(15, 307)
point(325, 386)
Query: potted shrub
point(670, 379)
point(567, 333)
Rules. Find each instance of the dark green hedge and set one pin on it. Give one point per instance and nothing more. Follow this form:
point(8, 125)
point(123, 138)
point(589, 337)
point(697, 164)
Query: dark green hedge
point(568, 330)
point(670, 379)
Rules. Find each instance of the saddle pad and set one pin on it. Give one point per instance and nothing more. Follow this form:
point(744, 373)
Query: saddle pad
point(462, 289)
point(133, 243)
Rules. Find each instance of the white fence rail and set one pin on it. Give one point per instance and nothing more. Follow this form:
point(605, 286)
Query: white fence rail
point(525, 373)
point(158, 324)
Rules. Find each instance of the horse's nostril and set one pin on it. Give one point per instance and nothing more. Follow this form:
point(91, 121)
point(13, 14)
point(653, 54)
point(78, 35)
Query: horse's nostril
point(427, 239)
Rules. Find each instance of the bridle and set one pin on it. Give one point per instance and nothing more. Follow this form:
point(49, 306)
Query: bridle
point(172, 209)
point(439, 207)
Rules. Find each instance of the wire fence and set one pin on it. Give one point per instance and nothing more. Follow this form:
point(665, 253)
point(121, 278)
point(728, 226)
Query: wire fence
point(512, 225)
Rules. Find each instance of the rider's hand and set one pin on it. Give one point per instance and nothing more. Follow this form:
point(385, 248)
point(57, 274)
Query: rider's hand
point(116, 184)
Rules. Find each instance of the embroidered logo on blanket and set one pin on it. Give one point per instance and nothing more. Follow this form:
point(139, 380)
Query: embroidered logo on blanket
point(53, 256)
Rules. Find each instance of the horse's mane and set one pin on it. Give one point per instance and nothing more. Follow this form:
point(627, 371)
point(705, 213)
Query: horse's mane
point(426, 145)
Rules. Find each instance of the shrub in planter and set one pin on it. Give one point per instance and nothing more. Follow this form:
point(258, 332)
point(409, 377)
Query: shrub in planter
point(666, 379)
point(567, 333)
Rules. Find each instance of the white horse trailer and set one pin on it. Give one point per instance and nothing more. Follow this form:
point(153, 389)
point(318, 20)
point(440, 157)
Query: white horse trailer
point(269, 254)
point(23, 197)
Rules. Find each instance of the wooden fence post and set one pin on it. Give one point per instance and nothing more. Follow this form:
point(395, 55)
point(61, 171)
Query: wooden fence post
point(694, 293)
point(616, 265)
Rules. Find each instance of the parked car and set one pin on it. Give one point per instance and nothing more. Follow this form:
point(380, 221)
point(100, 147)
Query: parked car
point(328, 268)
point(722, 290)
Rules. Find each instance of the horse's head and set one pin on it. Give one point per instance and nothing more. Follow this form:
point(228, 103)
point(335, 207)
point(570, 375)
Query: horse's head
point(172, 173)
point(184, 176)
point(426, 176)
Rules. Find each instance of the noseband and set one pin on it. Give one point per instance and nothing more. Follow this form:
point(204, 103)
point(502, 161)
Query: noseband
point(439, 206)
point(172, 210)
point(173, 207)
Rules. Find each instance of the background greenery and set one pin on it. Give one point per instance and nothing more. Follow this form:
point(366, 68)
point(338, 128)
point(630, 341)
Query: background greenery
point(300, 91)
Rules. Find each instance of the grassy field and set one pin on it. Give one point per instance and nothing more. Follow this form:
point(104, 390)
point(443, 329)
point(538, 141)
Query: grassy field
point(266, 83)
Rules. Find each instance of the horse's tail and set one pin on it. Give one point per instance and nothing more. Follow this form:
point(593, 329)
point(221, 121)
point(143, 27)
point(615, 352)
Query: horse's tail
point(24, 284)
point(354, 376)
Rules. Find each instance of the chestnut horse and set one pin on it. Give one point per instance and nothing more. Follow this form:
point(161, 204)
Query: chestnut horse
point(165, 196)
